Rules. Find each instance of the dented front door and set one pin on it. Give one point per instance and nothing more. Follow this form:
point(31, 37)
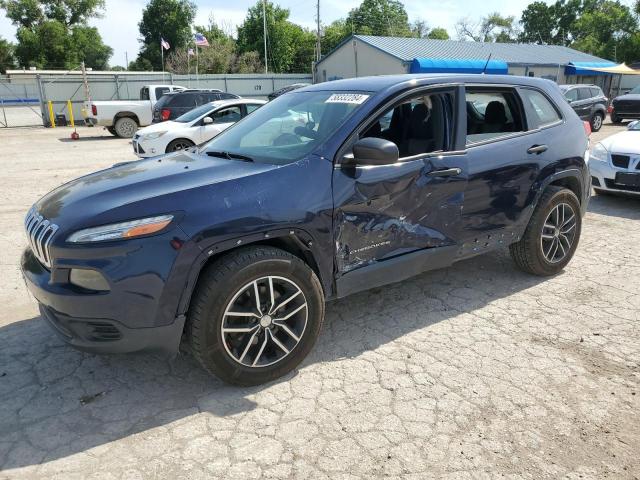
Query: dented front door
point(385, 211)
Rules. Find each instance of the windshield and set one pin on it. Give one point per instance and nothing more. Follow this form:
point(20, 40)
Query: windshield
point(634, 126)
point(194, 114)
point(635, 89)
point(289, 127)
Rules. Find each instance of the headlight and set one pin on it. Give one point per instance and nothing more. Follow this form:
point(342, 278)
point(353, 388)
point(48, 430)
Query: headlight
point(599, 153)
point(124, 230)
point(154, 135)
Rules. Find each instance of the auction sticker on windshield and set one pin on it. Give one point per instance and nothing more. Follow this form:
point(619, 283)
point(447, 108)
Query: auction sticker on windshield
point(354, 98)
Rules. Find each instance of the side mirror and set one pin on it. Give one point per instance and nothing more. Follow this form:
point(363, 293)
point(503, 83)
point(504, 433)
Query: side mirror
point(374, 151)
point(633, 125)
point(207, 121)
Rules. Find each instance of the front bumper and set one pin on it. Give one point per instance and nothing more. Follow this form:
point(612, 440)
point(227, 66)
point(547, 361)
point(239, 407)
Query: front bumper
point(603, 178)
point(146, 148)
point(139, 312)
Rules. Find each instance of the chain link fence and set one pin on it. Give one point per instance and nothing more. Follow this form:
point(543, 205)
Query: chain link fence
point(24, 95)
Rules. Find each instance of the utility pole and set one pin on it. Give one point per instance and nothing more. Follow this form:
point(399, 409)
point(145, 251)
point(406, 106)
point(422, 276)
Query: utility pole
point(264, 29)
point(126, 60)
point(318, 31)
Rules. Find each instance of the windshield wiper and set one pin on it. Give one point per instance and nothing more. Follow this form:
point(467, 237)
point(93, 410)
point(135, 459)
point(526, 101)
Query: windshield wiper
point(230, 156)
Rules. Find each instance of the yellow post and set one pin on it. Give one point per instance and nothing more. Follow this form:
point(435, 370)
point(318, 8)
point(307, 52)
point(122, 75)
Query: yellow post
point(52, 118)
point(70, 109)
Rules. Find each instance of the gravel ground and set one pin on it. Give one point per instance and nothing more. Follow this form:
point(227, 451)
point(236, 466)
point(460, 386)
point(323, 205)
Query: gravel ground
point(474, 371)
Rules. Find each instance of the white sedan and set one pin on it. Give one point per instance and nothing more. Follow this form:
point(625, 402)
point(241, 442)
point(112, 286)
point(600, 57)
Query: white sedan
point(614, 163)
point(193, 128)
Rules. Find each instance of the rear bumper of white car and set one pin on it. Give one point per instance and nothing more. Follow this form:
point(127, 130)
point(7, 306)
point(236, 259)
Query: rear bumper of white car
point(605, 176)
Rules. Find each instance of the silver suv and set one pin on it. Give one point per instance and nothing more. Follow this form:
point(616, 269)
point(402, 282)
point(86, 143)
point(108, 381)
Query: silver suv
point(588, 102)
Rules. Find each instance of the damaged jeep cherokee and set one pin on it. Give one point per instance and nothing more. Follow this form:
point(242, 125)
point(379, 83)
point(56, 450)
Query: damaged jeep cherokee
point(328, 190)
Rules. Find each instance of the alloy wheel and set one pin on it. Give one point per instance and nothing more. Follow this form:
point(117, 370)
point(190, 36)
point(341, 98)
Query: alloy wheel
point(597, 122)
point(264, 321)
point(558, 233)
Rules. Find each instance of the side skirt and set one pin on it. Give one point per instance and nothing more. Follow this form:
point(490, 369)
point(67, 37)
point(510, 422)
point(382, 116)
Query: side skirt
point(395, 269)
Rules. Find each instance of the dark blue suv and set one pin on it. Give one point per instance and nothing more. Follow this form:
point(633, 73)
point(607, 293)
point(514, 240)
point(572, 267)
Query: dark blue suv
point(328, 190)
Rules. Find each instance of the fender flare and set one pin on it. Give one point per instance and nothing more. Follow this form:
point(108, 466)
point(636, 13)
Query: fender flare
point(303, 239)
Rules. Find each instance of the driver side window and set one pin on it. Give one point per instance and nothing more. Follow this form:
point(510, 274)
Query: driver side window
point(226, 115)
point(420, 124)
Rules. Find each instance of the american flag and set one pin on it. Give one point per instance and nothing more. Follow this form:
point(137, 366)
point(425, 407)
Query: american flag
point(190, 52)
point(164, 44)
point(200, 40)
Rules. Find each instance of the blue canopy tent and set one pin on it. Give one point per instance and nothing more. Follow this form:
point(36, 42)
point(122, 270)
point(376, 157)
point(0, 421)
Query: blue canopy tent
point(586, 68)
point(455, 65)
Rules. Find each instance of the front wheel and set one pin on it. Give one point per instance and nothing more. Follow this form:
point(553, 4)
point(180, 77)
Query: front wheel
point(615, 118)
point(255, 315)
point(596, 121)
point(552, 236)
point(179, 144)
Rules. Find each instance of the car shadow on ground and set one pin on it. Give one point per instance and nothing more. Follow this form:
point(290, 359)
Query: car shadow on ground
point(90, 138)
point(618, 205)
point(55, 401)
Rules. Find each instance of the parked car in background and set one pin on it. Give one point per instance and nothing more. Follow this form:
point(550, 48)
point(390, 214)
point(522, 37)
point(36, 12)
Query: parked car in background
point(237, 244)
point(288, 88)
point(178, 103)
point(614, 163)
point(626, 106)
point(193, 128)
point(588, 101)
point(124, 117)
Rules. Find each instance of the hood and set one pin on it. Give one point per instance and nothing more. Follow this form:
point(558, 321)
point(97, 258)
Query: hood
point(628, 96)
point(623, 142)
point(161, 127)
point(106, 196)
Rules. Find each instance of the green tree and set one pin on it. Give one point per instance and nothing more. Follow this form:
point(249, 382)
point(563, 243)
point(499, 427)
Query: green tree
point(438, 33)
point(55, 34)
point(380, 17)
point(6, 55)
point(169, 19)
point(607, 31)
point(492, 28)
point(333, 34)
point(288, 44)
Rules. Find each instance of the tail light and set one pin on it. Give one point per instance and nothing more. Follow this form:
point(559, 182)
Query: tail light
point(610, 109)
point(165, 113)
point(587, 128)
point(94, 110)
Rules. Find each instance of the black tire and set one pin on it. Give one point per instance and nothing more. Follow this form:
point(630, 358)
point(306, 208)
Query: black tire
point(597, 119)
point(218, 287)
point(179, 144)
point(615, 118)
point(125, 127)
point(112, 131)
point(528, 253)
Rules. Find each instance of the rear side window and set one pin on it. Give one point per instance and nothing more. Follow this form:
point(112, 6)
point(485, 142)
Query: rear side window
point(584, 93)
point(596, 92)
point(226, 96)
point(540, 109)
point(144, 93)
point(492, 114)
point(183, 100)
point(160, 91)
point(252, 106)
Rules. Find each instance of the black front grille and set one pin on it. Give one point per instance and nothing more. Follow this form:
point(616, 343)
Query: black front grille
point(620, 161)
point(102, 332)
point(629, 188)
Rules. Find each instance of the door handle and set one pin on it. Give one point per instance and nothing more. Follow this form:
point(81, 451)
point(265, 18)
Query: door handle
point(447, 172)
point(537, 149)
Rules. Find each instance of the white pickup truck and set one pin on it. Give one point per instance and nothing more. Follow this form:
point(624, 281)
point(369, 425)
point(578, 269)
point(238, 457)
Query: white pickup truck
point(123, 117)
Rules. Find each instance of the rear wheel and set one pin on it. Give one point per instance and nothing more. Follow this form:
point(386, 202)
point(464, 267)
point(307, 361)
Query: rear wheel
point(615, 118)
point(596, 121)
point(125, 127)
point(552, 236)
point(179, 144)
point(255, 315)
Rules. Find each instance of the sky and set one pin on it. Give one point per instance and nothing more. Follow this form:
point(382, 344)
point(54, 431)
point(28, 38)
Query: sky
point(119, 25)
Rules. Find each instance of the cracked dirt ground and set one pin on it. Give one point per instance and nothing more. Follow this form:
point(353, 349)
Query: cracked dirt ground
point(474, 371)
